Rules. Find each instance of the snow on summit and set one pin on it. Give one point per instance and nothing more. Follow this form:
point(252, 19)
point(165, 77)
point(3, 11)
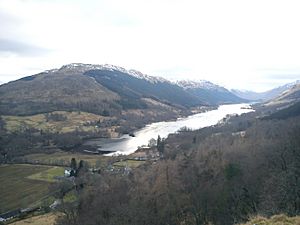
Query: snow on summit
point(81, 67)
point(204, 84)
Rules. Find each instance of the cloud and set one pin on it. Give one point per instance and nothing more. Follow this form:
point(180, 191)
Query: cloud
point(226, 42)
point(12, 27)
point(20, 48)
point(283, 74)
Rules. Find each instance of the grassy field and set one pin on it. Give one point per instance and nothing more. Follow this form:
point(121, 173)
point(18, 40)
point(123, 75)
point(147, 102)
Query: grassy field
point(130, 163)
point(65, 158)
point(72, 121)
point(275, 220)
point(93, 160)
point(48, 175)
point(23, 185)
point(46, 219)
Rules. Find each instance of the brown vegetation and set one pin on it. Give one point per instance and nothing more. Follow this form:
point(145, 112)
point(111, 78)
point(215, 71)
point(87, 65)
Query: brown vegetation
point(274, 220)
point(203, 178)
point(46, 219)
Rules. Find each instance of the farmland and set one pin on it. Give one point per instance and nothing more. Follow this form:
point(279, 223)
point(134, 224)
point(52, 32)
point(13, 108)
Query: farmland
point(130, 163)
point(58, 121)
point(64, 158)
point(48, 175)
point(96, 161)
point(23, 185)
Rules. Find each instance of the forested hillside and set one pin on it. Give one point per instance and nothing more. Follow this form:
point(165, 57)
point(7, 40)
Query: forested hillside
point(218, 175)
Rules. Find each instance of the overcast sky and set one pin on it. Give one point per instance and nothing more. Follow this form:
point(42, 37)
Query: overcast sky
point(253, 44)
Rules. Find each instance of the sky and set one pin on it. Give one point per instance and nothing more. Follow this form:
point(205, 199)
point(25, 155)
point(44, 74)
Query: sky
point(241, 44)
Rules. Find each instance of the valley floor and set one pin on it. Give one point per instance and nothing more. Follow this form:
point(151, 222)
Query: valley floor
point(23, 185)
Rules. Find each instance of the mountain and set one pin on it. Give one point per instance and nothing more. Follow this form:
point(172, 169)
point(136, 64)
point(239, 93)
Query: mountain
point(61, 89)
point(90, 88)
point(287, 97)
point(287, 112)
point(209, 92)
point(264, 96)
point(132, 86)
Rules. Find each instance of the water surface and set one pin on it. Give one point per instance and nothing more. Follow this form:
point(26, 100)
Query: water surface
point(128, 145)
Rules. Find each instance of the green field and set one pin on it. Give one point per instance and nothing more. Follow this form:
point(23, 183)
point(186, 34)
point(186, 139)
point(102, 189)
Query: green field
point(23, 185)
point(48, 175)
point(73, 121)
point(93, 160)
point(130, 163)
point(65, 158)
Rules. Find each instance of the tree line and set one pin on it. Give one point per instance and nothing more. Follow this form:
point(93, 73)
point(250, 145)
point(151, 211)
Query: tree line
point(218, 175)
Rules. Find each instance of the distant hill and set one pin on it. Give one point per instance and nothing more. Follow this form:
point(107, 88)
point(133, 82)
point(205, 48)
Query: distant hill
point(54, 90)
point(104, 89)
point(133, 88)
point(264, 96)
point(291, 95)
point(89, 88)
point(285, 113)
point(209, 92)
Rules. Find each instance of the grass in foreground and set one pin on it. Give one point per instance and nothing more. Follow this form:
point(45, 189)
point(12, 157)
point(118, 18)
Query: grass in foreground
point(19, 191)
point(275, 220)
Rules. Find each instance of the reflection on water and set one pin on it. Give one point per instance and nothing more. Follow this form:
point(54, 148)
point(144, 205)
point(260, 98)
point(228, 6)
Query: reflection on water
point(128, 145)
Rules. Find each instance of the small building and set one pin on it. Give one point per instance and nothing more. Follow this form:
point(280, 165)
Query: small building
point(69, 172)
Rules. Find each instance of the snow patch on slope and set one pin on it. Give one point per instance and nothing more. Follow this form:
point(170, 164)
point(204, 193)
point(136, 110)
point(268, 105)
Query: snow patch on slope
point(81, 67)
point(203, 84)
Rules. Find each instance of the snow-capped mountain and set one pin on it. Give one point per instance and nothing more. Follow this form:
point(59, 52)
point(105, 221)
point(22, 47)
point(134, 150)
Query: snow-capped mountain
point(204, 84)
point(92, 88)
point(267, 95)
point(82, 67)
point(209, 92)
point(288, 96)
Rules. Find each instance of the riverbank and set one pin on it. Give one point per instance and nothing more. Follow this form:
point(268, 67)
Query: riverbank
point(127, 144)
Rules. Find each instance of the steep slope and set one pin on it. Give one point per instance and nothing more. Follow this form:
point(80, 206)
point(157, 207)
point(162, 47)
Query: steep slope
point(264, 96)
point(89, 88)
point(133, 87)
point(54, 90)
point(293, 94)
point(287, 112)
point(289, 96)
point(209, 92)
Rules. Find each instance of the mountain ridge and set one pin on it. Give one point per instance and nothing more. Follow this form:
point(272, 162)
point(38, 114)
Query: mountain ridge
point(94, 87)
point(208, 91)
point(266, 95)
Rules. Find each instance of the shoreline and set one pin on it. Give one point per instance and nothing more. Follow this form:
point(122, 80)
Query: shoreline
point(125, 144)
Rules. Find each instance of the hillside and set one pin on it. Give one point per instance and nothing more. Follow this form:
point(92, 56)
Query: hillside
point(287, 112)
point(290, 95)
point(223, 174)
point(55, 90)
point(89, 88)
point(264, 96)
point(132, 88)
point(209, 92)
point(274, 220)
point(286, 98)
